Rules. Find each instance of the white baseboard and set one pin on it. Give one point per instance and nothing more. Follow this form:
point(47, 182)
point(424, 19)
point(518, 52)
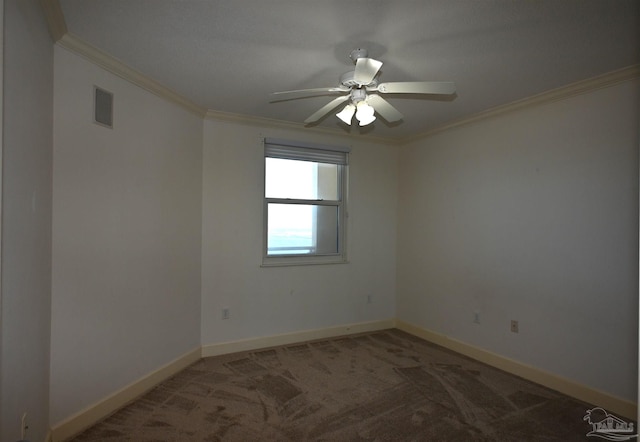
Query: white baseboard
point(292, 338)
point(590, 395)
point(100, 410)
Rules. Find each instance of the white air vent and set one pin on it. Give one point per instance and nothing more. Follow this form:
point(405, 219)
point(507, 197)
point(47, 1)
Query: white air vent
point(102, 107)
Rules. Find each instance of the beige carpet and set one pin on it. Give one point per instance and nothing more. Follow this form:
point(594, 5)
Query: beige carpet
point(382, 386)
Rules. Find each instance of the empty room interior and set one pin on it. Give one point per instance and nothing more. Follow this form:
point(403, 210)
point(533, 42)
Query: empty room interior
point(494, 212)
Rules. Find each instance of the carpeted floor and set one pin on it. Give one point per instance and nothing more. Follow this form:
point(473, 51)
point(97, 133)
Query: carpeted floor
point(382, 386)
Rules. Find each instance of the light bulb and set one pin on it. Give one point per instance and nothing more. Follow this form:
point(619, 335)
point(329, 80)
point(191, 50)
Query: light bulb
point(365, 113)
point(346, 114)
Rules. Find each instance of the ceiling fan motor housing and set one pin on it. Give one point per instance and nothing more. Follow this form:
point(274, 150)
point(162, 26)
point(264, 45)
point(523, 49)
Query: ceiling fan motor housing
point(358, 95)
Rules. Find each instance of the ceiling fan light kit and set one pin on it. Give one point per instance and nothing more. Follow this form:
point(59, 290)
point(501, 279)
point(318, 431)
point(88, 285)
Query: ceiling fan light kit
point(363, 91)
point(365, 114)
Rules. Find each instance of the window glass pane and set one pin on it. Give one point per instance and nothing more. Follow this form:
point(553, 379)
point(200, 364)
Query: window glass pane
point(302, 229)
point(300, 179)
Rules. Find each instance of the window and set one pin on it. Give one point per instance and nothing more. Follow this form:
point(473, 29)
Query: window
point(304, 203)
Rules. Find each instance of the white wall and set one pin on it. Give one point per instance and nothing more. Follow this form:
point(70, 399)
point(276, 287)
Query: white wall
point(126, 236)
point(157, 226)
point(276, 300)
point(531, 216)
point(26, 220)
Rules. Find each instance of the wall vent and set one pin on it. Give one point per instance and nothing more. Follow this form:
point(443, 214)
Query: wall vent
point(102, 107)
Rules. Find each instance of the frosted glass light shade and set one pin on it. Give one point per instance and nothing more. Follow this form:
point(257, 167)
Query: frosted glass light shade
point(346, 114)
point(365, 114)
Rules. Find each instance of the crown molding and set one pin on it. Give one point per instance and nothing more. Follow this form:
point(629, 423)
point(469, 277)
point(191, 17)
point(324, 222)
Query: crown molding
point(116, 67)
point(55, 18)
point(273, 123)
point(60, 34)
point(561, 93)
point(111, 64)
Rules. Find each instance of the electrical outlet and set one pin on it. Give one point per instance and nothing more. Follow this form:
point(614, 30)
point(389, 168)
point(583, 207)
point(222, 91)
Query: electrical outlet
point(369, 299)
point(476, 317)
point(225, 313)
point(514, 326)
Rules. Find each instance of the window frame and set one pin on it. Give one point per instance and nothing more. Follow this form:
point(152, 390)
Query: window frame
point(316, 153)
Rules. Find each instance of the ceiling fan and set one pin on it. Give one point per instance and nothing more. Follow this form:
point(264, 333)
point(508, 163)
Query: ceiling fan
point(361, 88)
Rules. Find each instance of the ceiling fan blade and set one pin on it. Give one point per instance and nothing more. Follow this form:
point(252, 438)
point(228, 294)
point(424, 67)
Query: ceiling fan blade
point(366, 70)
point(326, 109)
point(418, 87)
point(290, 95)
point(382, 106)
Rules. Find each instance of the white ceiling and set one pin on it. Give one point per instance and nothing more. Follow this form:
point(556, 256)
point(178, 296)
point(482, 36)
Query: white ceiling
point(228, 55)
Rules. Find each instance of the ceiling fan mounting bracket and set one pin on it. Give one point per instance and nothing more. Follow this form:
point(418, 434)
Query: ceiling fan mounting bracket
point(358, 53)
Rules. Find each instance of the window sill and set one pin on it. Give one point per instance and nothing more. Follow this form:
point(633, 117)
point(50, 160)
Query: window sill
point(289, 262)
